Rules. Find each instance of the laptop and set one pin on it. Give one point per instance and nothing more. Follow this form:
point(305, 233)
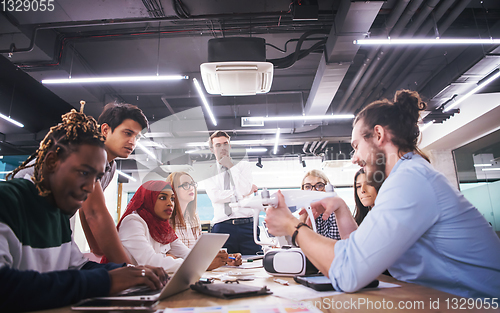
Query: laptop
point(190, 271)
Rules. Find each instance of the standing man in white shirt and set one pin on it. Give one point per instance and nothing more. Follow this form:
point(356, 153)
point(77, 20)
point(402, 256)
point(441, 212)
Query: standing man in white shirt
point(231, 182)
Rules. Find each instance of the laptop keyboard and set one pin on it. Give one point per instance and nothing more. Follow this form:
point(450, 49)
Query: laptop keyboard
point(139, 291)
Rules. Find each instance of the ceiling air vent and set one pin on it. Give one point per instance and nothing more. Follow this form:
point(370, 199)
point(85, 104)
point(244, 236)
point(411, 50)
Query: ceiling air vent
point(236, 67)
point(246, 122)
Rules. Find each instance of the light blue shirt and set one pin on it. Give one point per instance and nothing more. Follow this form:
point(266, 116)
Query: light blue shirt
point(424, 231)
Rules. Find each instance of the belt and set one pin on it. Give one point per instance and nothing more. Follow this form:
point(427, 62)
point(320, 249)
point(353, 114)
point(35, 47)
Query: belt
point(236, 221)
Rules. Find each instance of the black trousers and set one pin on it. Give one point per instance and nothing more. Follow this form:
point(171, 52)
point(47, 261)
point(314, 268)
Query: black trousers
point(240, 237)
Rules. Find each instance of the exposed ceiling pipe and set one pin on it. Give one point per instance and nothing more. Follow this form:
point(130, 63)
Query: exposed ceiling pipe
point(384, 51)
point(410, 64)
point(353, 20)
point(312, 146)
point(391, 21)
point(317, 146)
point(304, 148)
point(169, 107)
point(393, 60)
point(126, 21)
point(403, 60)
point(324, 145)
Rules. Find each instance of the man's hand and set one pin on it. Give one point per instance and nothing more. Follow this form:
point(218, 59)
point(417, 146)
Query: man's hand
point(345, 221)
point(327, 206)
point(126, 277)
point(236, 261)
point(220, 260)
point(160, 272)
point(280, 220)
point(226, 161)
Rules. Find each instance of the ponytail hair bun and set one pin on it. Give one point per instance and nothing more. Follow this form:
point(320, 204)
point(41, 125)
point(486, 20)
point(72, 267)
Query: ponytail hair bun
point(409, 103)
point(399, 117)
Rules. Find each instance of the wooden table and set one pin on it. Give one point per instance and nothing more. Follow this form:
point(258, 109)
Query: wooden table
point(416, 296)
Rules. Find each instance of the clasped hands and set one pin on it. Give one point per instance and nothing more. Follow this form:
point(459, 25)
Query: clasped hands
point(223, 258)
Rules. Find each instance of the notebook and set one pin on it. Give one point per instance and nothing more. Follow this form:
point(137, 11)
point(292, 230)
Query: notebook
point(190, 271)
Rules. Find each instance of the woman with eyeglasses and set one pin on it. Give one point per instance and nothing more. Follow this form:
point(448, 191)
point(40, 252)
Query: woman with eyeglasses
point(186, 222)
point(317, 180)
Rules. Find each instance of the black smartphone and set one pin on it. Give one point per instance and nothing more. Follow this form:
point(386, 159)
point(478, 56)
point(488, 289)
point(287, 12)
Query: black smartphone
point(316, 282)
point(123, 305)
point(322, 283)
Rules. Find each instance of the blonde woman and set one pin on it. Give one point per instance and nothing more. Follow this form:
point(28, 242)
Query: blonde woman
point(185, 221)
point(317, 180)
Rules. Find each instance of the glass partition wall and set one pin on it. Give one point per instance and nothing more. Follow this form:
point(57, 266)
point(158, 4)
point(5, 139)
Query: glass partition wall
point(478, 170)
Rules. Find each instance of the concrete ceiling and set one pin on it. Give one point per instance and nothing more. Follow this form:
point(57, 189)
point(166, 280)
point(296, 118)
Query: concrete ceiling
point(115, 37)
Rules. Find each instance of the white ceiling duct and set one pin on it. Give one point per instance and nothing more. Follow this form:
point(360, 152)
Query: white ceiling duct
point(237, 78)
point(237, 67)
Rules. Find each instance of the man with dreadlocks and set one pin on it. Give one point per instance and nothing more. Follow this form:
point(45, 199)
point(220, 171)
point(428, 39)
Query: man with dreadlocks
point(120, 125)
point(37, 254)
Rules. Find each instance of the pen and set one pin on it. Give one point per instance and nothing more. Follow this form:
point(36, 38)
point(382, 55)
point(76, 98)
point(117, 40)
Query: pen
point(231, 257)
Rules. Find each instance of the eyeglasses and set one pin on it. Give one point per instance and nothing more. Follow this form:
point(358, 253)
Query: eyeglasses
point(317, 186)
point(187, 186)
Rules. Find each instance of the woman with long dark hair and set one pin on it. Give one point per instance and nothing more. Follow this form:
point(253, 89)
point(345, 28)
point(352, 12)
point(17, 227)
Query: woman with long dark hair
point(364, 196)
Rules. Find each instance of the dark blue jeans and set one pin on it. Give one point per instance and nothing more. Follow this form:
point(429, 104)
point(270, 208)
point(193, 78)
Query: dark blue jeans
point(240, 237)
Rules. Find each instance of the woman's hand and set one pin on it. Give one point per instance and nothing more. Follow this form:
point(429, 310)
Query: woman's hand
point(220, 260)
point(234, 259)
point(126, 277)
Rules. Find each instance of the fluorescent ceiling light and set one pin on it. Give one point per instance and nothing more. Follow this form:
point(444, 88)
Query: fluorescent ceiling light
point(146, 150)
point(482, 165)
point(301, 117)
point(428, 41)
point(255, 142)
point(276, 141)
point(150, 143)
point(426, 125)
point(11, 120)
point(197, 144)
point(201, 151)
point(115, 79)
point(473, 91)
point(233, 150)
point(126, 175)
point(491, 169)
point(255, 150)
point(204, 100)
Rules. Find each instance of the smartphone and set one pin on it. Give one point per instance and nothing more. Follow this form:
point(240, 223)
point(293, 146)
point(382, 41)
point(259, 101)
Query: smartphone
point(322, 283)
point(124, 305)
point(316, 282)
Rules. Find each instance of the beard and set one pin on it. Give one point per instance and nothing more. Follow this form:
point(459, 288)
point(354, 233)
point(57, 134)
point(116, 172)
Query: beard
point(375, 167)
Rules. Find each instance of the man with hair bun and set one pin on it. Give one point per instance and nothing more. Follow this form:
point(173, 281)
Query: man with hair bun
point(421, 228)
point(38, 257)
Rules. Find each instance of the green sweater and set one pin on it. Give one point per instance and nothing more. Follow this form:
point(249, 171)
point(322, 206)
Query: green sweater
point(38, 256)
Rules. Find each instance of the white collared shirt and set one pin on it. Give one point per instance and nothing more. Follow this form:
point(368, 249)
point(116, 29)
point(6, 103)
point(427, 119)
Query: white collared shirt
point(241, 174)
